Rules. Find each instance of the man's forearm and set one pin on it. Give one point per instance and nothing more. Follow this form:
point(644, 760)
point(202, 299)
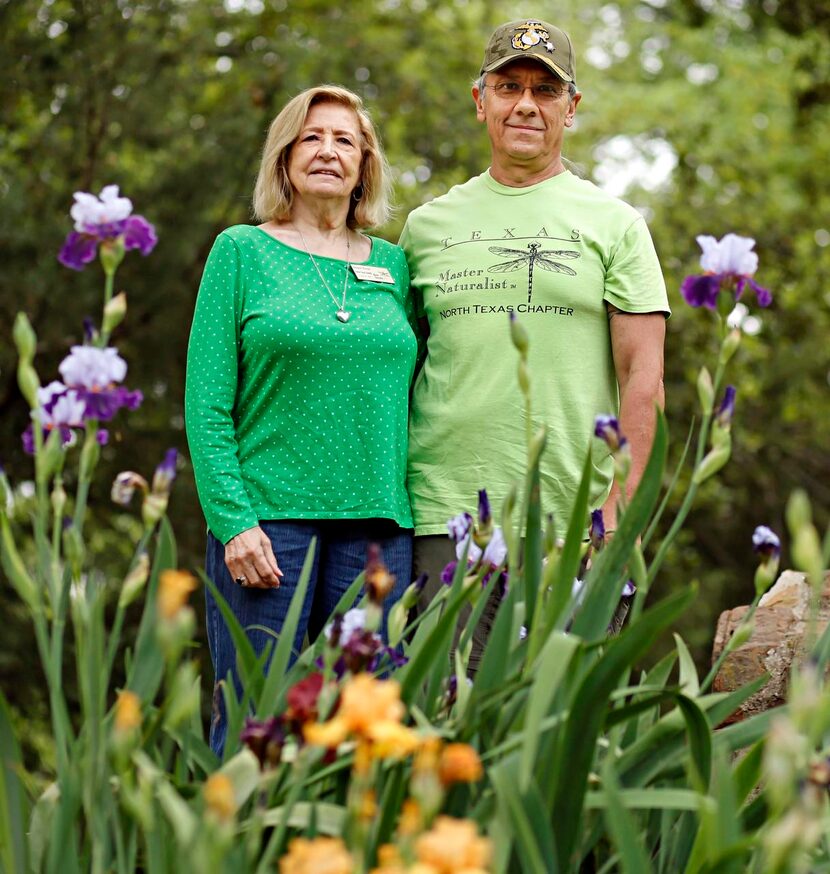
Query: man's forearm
point(639, 399)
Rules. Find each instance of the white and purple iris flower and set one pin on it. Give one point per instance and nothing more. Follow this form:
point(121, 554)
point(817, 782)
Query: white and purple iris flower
point(360, 648)
point(459, 527)
point(95, 374)
point(492, 555)
point(351, 623)
point(89, 390)
point(728, 264)
point(60, 409)
point(462, 532)
point(102, 219)
point(607, 428)
point(766, 542)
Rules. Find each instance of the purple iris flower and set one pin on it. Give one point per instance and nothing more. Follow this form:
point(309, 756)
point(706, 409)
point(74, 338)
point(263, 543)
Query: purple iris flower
point(421, 581)
point(359, 652)
point(724, 412)
point(628, 589)
point(701, 291)
point(104, 405)
point(459, 527)
point(728, 263)
point(766, 542)
point(484, 514)
point(264, 738)
point(139, 234)
point(607, 428)
point(596, 534)
point(396, 659)
point(448, 573)
point(102, 219)
point(78, 250)
point(28, 438)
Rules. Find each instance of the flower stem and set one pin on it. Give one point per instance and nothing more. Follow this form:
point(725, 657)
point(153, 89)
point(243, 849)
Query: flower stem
point(277, 839)
point(728, 647)
point(120, 613)
point(109, 285)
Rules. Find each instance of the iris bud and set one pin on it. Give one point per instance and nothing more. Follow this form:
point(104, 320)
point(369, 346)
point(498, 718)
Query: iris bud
point(713, 461)
point(518, 334)
point(29, 383)
point(397, 622)
point(135, 581)
point(24, 338)
point(114, 312)
point(730, 345)
point(705, 391)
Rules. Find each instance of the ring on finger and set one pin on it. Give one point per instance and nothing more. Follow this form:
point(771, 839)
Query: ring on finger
point(242, 581)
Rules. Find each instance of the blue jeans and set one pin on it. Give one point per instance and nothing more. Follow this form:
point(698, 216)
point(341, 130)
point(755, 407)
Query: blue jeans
point(339, 557)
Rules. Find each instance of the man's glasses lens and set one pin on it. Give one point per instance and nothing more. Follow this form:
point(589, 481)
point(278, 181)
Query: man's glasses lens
point(544, 91)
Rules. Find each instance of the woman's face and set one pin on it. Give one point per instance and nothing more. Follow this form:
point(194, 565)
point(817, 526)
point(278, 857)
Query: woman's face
point(326, 157)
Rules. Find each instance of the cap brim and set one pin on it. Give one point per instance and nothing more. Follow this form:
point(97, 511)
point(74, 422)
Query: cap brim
point(547, 62)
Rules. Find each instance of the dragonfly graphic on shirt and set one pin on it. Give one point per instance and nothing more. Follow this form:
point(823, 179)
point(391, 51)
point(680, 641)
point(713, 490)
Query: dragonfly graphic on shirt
point(536, 257)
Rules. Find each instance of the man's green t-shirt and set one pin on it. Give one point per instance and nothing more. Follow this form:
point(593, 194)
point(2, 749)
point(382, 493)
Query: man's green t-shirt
point(290, 413)
point(555, 254)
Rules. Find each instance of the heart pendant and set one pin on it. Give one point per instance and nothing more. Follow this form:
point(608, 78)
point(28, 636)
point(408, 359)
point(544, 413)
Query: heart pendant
point(343, 315)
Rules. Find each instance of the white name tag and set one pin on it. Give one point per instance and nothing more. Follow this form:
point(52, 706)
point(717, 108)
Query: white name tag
point(372, 274)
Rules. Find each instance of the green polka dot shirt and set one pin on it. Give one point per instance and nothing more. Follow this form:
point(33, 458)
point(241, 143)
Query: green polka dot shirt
point(290, 413)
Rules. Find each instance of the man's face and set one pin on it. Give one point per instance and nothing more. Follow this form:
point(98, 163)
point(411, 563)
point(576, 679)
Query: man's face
point(525, 128)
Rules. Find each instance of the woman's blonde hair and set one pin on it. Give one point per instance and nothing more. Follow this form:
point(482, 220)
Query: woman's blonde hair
point(273, 192)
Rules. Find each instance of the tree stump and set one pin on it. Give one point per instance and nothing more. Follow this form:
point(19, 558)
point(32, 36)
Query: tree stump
point(777, 639)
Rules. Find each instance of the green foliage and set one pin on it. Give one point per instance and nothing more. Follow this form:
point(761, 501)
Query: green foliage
point(609, 772)
point(13, 802)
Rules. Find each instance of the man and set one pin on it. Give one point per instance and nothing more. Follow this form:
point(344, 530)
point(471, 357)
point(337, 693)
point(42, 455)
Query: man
point(579, 270)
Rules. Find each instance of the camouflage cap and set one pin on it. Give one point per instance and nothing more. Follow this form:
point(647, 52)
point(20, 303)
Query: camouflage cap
point(534, 39)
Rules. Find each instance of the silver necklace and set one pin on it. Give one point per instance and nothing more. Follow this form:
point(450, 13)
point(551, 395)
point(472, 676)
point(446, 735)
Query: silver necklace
point(342, 313)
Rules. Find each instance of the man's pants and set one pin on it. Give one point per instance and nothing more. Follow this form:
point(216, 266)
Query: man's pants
point(432, 553)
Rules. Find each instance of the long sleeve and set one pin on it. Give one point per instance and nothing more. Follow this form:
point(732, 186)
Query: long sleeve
point(211, 392)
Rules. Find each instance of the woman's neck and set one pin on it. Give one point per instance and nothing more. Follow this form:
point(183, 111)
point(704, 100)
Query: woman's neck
point(325, 219)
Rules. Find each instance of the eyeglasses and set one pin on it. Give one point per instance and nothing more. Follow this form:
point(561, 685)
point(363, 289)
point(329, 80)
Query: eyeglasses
point(543, 92)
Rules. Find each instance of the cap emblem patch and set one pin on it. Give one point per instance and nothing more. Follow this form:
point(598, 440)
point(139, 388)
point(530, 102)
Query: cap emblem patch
point(529, 35)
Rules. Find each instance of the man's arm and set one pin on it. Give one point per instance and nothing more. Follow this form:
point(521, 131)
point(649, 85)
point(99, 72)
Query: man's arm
point(637, 345)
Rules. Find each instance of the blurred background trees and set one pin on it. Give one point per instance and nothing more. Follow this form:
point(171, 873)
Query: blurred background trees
point(709, 115)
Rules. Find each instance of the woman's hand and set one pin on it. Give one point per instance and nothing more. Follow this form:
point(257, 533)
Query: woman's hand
point(251, 560)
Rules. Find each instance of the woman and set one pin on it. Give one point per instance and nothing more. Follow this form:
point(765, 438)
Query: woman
point(299, 365)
